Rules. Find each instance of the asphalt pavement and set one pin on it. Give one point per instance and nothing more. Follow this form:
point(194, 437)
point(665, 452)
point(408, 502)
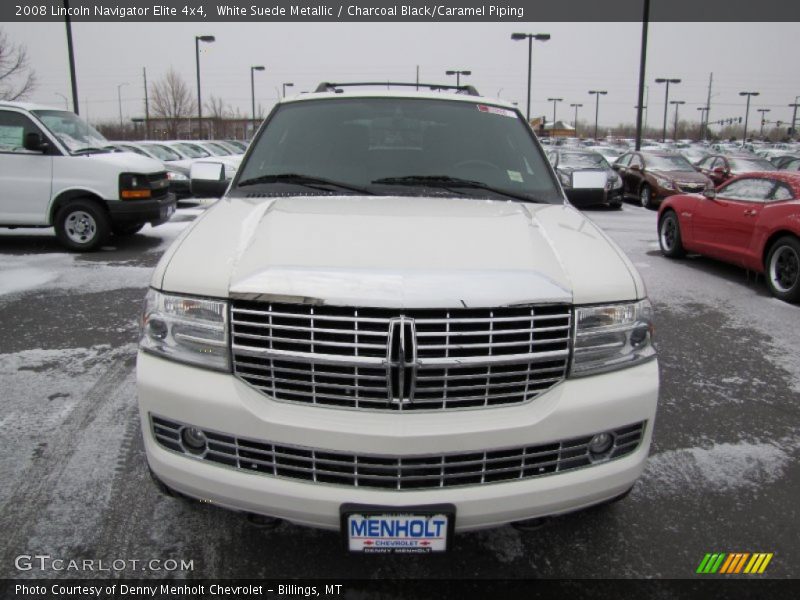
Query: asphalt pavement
point(723, 475)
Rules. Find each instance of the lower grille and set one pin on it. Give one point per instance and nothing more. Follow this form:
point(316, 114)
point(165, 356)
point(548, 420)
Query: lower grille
point(691, 187)
point(396, 472)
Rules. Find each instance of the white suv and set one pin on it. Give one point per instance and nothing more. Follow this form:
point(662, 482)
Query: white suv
point(395, 325)
point(57, 172)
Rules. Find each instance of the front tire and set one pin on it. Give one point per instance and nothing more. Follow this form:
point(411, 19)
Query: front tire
point(82, 226)
point(783, 269)
point(669, 236)
point(646, 196)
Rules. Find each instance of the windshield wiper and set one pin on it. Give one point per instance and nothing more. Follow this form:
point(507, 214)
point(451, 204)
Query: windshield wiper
point(91, 149)
point(445, 181)
point(304, 180)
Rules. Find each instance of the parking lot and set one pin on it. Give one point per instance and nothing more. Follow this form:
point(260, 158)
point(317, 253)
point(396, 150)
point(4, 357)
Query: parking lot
point(723, 475)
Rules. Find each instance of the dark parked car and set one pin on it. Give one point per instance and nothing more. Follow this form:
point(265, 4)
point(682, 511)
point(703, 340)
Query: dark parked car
point(752, 221)
point(652, 176)
point(587, 178)
point(722, 167)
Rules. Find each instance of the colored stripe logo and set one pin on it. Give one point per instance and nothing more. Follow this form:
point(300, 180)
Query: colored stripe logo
point(735, 563)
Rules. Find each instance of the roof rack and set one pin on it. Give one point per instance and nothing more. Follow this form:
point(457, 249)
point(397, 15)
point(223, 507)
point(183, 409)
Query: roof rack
point(327, 86)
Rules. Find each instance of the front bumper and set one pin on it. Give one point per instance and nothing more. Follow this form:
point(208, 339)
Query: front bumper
point(222, 403)
point(155, 211)
point(593, 197)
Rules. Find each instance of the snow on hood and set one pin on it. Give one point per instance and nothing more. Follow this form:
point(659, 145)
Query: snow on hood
point(398, 252)
point(126, 161)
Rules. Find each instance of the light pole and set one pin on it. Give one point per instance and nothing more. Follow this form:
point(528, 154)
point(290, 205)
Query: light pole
point(458, 75)
point(747, 113)
point(119, 101)
point(703, 125)
point(763, 111)
point(597, 94)
point(576, 107)
point(253, 92)
point(554, 101)
point(794, 105)
point(677, 103)
point(666, 103)
point(197, 40)
point(285, 85)
point(66, 102)
point(541, 37)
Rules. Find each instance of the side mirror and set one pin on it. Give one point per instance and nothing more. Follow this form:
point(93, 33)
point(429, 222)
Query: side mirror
point(719, 170)
point(710, 194)
point(33, 141)
point(208, 179)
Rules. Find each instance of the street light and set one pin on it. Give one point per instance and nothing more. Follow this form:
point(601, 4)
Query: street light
point(119, 101)
point(747, 113)
point(576, 107)
point(253, 92)
point(794, 105)
point(197, 40)
point(554, 101)
point(597, 94)
point(677, 103)
point(540, 37)
point(703, 125)
point(285, 85)
point(666, 103)
point(763, 111)
point(458, 75)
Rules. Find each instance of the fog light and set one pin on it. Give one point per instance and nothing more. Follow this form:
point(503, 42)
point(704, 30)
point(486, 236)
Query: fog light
point(601, 443)
point(193, 440)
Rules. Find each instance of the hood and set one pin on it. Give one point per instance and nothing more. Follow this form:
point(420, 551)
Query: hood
point(686, 176)
point(127, 162)
point(406, 252)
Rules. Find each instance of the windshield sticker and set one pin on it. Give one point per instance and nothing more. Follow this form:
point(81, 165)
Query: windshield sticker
point(495, 110)
point(515, 176)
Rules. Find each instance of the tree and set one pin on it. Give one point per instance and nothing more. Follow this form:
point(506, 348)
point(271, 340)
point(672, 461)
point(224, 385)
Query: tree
point(172, 102)
point(17, 79)
point(217, 113)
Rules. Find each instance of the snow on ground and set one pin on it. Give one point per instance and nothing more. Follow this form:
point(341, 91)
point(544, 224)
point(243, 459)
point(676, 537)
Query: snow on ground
point(717, 468)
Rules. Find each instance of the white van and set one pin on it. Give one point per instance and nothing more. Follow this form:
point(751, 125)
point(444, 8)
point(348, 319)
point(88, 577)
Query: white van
point(55, 172)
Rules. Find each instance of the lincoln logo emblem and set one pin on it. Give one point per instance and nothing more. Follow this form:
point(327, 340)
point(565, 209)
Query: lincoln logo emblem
point(401, 360)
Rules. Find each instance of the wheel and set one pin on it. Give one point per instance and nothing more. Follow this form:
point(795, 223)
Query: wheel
point(127, 229)
point(82, 226)
point(616, 205)
point(646, 196)
point(783, 269)
point(669, 236)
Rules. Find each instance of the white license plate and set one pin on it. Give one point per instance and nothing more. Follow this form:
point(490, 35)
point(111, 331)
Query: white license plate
point(413, 532)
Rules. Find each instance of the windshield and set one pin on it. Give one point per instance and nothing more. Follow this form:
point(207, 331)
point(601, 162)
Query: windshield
point(71, 130)
point(192, 151)
point(750, 164)
point(162, 152)
point(216, 149)
point(404, 145)
point(583, 160)
point(668, 163)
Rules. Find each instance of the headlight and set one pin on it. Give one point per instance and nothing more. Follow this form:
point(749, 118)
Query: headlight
point(614, 182)
point(612, 337)
point(133, 186)
point(229, 172)
point(667, 184)
point(185, 329)
point(176, 176)
point(565, 178)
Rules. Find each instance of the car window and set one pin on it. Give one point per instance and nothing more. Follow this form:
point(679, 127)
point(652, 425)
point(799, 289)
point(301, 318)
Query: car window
point(75, 133)
point(133, 149)
point(636, 161)
point(13, 129)
point(792, 165)
point(668, 163)
point(624, 160)
point(749, 189)
point(373, 142)
point(750, 164)
point(781, 192)
point(705, 163)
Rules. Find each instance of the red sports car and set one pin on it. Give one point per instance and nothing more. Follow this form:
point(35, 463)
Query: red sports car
point(753, 221)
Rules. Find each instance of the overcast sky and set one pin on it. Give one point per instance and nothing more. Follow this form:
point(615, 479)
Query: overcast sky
point(579, 57)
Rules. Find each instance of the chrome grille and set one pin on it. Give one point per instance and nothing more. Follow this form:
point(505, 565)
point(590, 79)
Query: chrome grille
point(691, 187)
point(397, 472)
point(389, 359)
